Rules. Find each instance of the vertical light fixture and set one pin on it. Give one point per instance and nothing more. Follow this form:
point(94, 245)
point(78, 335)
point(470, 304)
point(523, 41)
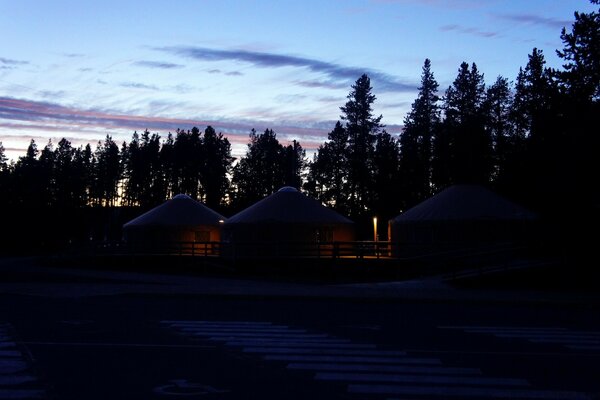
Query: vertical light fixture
point(374, 229)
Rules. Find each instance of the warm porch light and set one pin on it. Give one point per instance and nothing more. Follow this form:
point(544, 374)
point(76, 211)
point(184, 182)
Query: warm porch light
point(374, 229)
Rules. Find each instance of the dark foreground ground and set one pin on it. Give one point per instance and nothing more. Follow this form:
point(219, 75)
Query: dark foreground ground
point(81, 334)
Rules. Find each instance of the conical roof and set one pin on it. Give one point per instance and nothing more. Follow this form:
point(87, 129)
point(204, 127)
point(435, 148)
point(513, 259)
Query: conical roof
point(181, 210)
point(465, 202)
point(288, 206)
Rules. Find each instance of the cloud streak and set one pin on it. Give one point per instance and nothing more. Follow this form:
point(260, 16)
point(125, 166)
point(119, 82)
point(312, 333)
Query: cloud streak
point(335, 72)
point(11, 62)
point(137, 85)
point(157, 64)
point(469, 31)
point(530, 19)
point(28, 115)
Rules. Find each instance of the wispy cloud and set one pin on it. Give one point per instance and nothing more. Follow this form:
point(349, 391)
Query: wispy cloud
point(157, 64)
point(137, 85)
point(229, 73)
point(531, 19)
point(28, 115)
point(469, 31)
point(322, 84)
point(452, 4)
point(73, 55)
point(9, 61)
point(335, 72)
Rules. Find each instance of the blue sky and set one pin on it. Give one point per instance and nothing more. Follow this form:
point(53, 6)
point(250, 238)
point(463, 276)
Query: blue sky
point(83, 69)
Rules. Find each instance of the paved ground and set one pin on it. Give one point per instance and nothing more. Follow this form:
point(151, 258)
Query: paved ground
point(80, 334)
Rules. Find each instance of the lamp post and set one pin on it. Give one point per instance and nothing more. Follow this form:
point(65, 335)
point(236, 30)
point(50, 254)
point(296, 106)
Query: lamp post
point(374, 229)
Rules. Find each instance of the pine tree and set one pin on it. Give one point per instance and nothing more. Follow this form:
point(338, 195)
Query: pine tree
point(362, 128)
point(416, 141)
point(462, 146)
point(216, 167)
point(328, 172)
point(581, 53)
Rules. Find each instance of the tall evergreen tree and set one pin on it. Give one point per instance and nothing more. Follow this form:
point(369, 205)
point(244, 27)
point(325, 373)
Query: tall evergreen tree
point(462, 145)
point(362, 128)
point(258, 173)
point(107, 173)
point(328, 172)
point(497, 107)
point(3, 158)
point(216, 167)
point(581, 53)
point(416, 141)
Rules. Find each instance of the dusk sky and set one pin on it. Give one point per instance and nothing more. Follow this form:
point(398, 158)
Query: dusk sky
point(83, 69)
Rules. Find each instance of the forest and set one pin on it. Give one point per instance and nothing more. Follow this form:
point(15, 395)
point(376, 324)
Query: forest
point(533, 140)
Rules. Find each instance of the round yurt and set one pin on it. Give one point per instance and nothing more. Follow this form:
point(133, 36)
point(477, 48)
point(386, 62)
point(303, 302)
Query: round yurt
point(181, 224)
point(285, 224)
point(460, 216)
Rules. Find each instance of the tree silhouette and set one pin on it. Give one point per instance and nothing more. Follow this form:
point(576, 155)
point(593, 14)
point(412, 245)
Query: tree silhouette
point(107, 174)
point(362, 128)
point(416, 141)
point(462, 146)
point(215, 168)
point(581, 53)
point(327, 178)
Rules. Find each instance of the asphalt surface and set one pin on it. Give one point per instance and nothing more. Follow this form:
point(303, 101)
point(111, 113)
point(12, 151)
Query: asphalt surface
point(80, 334)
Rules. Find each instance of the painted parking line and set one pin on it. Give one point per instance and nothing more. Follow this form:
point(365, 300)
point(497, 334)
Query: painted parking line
point(21, 394)
point(410, 369)
point(322, 351)
point(352, 359)
point(367, 370)
point(15, 381)
point(574, 340)
point(305, 344)
point(230, 323)
point(270, 340)
point(463, 392)
point(12, 366)
point(263, 335)
point(418, 379)
point(245, 330)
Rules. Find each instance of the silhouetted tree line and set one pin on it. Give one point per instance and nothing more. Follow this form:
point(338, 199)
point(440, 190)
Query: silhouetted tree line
point(534, 140)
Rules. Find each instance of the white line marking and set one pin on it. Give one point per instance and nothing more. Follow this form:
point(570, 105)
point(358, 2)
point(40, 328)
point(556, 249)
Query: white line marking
point(544, 336)
point(241, 329)
point(10, 353)
point(20, 394)
point(504, 328)
point(458, 391)
point(217, 322)
point(16, 379)
point(11, 366)
point(583, 347)
point(268, 341)
point(351, 359)
point(417, 379)
point(142, 345)
point(342, 352)
point(385, 368)
point(303, 344)
point(264, 335)
point(566, 341)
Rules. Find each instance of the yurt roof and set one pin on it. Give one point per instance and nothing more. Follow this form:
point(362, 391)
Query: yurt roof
point(465, 202)
point(288, 206)
point(181, 210)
